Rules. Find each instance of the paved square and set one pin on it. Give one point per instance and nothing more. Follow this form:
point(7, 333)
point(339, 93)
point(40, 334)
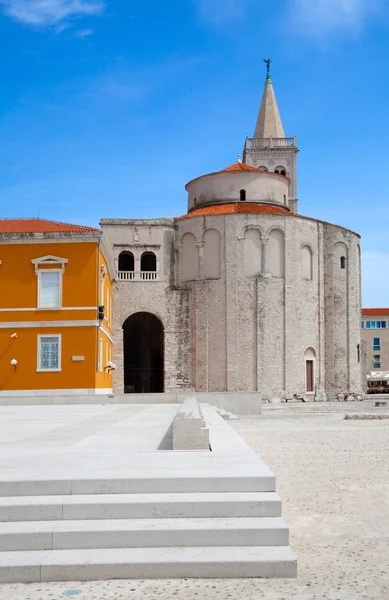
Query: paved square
point(333, 477)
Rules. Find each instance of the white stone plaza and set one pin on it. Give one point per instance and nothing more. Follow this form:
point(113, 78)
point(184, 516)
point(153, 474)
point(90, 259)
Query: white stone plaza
point(332, 476)
point(132, 491)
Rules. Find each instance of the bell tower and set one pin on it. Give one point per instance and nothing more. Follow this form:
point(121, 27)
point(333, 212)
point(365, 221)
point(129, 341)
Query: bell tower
point(269, 149)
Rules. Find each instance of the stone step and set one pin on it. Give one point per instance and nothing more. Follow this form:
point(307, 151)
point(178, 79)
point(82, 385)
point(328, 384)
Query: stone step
point(143, 533)
point(262, 480)
point(142, 563)
point(140, 506)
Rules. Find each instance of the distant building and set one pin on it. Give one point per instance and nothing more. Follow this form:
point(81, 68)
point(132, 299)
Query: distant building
point(53, 338)
point(241, 293)
point(375, 333)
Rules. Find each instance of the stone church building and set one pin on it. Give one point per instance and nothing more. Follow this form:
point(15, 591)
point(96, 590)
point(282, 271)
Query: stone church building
point(241, 293)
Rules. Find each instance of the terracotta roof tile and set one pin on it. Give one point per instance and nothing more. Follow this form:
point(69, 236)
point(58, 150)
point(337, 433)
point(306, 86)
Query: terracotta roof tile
point(239, 167)
point(40, 226)
point(236, 207)
point(375, 311)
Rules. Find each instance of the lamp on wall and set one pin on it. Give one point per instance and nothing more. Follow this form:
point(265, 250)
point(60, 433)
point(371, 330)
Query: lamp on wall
point(14, 363)
point(110, 367)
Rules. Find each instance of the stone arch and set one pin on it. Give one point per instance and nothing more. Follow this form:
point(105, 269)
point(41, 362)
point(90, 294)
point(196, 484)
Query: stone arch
point(276, 253)
point(148, 262)
point(190, 261)
point(306, 262)
point(143, 353)
point(280, 170)
point(263, 168)
point(340, 256)
point(252, 252)
point(126, 261)
point(212, 239)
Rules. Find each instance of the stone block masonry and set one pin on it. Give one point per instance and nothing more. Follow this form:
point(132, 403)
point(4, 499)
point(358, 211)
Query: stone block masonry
point(189, 427)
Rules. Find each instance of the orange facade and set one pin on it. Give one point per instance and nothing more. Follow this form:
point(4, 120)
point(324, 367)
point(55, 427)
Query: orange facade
point(52, 338)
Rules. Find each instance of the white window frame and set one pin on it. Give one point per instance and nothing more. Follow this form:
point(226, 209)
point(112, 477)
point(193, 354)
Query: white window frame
point(59, 306)
point(106, 353)
point(39, 368)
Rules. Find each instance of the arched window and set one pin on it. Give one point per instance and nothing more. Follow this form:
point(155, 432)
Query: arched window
point(263, 168)
point(195, 202)
point(252, 253)
point(280, 170)
point(190, 260)
point(212, 254)
point(342, 262)
point(148, 266)
point(126, 262)
point(242, 195)
point(275, 253)
point(306, 262)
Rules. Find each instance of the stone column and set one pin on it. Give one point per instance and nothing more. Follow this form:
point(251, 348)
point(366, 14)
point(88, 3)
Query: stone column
point(200, 247)
point(137, 265)
point(118, 360)
point(264, 240)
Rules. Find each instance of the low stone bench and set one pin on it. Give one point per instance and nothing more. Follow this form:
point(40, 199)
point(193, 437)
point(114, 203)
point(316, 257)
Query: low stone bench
point(189, 428)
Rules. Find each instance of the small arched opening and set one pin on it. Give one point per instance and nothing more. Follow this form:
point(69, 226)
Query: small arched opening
point(143, 351)
point(242, 195)
point(342, 262)
point(148, 266)
point(280, 170)
point(126, 262)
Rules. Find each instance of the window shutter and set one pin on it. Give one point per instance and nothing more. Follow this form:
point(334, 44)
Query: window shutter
point(49, 290)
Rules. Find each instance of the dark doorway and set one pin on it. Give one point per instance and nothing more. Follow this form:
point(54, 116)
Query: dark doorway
point(309, 375)
point(143, 354)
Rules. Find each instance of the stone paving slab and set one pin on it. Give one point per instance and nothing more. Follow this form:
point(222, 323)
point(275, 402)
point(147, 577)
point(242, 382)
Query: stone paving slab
point(333, 477)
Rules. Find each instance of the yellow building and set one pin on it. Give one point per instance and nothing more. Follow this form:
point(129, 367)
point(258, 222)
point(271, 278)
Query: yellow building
point(55, 309)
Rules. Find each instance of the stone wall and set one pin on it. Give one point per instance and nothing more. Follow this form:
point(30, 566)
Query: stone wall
point(239, 333)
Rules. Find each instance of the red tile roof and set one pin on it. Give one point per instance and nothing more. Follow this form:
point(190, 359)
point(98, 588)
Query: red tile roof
point(239, 167)
point(375, 311)
point(40, 226)
point(236, 207)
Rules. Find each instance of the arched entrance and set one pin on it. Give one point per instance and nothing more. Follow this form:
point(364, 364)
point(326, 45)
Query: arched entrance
point(143, 354)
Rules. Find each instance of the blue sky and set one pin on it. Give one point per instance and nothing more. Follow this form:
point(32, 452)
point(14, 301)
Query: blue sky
point(109, 107)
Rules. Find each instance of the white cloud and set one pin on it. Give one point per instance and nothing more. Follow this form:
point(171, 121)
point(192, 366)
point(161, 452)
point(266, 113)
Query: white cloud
point(325, 16)
point(83, 33)
point(308, 17)
point(50, 12)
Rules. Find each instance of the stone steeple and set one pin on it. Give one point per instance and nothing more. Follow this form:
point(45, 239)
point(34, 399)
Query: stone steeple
point(269, 149)
point(269, 122)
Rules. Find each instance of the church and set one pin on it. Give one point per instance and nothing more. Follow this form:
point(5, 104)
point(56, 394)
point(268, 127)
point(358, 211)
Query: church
point(241, 293)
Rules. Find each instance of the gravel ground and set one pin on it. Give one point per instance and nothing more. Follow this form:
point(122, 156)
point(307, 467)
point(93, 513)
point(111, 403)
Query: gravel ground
point(333, 478)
